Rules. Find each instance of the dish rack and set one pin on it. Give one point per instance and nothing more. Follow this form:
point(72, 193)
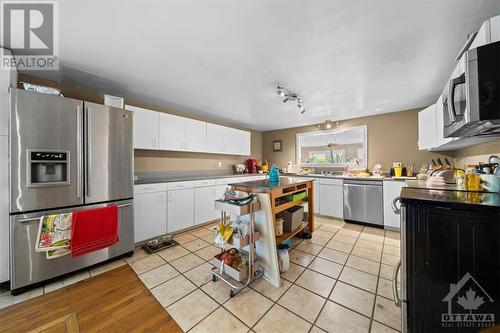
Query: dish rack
point(223, 271)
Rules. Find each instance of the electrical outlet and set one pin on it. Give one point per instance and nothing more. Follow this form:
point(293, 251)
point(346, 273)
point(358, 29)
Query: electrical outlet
point(220, 164)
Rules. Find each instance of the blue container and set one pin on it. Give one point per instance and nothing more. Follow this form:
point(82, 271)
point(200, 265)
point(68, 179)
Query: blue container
point(274, 174)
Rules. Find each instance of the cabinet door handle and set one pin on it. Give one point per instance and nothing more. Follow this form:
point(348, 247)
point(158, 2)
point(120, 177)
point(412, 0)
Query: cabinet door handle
point(170, 198)
point(395, 208)
point(395, 293)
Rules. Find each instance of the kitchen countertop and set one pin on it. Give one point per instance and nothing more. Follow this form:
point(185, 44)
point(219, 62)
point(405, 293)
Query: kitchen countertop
point(179, 176)
point(451, 197)
point(168, 177)
point(266, 185)
point(446, 187)
point(352, 177)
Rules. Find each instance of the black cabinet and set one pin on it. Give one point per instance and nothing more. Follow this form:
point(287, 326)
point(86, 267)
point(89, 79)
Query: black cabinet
point(452, 266)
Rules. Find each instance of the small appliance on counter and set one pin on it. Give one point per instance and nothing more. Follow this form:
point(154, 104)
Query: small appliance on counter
point(239, 168)
point(264, 166)
point(251, 166)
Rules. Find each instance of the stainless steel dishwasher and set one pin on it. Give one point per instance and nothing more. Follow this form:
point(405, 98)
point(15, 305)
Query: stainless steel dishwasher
point(363, 201)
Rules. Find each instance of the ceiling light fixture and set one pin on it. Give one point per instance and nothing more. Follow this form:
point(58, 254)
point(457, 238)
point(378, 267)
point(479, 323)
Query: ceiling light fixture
point(328, 124)
point(286, 95)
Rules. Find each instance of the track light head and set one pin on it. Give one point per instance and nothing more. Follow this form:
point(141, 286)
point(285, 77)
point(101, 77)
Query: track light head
point(287, 95)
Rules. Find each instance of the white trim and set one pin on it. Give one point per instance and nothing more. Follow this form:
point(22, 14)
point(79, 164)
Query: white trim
point(333, 131)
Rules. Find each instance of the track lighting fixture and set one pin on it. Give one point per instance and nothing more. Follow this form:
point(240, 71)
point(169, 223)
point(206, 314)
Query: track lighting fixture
point(328, 124)
point(286, 95)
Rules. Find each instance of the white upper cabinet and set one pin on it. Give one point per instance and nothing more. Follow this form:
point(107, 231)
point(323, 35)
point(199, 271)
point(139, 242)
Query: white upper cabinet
point(427, 128)
point(242, 140)
point(216, 142)
point(171, 130)
point(495, 29)
point(226, 140)
point(488, 33)
point(145, 128)
point(182, 134)
point(163, 131)
point(195, 135)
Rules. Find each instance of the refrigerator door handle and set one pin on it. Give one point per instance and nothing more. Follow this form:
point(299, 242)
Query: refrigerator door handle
point(79, 151)
point(89, 150)
point(124, 205)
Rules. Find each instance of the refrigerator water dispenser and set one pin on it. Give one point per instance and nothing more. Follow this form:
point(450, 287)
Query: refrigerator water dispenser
point(47, 168)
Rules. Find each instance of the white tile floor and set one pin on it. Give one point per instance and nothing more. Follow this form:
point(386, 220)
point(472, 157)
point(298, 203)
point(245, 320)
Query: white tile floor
point(338, 281)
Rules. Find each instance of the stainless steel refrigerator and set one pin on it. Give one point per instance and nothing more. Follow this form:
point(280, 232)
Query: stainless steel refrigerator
point(65, 155)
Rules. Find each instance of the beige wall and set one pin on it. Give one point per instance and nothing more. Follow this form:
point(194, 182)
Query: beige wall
point(392, 137)
point(476, 154)
point(148, 160)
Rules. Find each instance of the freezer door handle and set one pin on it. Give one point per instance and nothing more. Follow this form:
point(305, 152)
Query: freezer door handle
point(79, 151)
point(89, 150)
point(33, 219)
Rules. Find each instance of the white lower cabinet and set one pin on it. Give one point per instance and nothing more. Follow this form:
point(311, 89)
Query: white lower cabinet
point(204, 204)
point(317, 196)
point(331, 202)
point(150, 215)
point(180, 209)
point(163, 208)
point(392, 190)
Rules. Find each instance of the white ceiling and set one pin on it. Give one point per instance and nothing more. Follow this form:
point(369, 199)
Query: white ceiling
point(223, 58)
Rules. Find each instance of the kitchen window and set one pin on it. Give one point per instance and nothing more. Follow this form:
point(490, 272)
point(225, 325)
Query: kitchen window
point(333, 148)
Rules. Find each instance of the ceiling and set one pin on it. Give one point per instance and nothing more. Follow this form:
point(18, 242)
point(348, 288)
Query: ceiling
point(223, 58)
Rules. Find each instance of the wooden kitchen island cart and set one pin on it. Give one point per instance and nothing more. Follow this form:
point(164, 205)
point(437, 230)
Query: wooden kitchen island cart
point(283, 195)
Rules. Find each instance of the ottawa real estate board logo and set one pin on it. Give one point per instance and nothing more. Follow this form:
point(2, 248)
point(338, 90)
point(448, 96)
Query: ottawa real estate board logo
point(29, 35)
point(470, 298)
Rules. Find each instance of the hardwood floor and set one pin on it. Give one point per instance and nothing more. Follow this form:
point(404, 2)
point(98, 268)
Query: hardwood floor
point(115, 301)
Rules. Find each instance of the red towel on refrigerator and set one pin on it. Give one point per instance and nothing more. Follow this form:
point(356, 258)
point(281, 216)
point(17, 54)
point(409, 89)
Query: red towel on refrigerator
point(93, 229)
